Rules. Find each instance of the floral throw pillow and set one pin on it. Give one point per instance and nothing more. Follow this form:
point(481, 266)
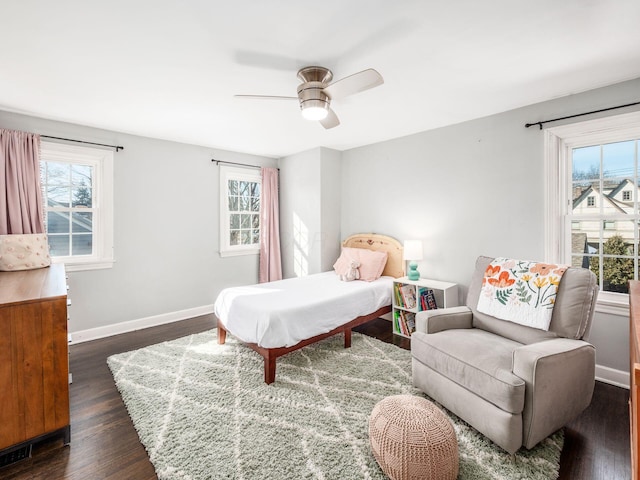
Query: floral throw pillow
point(520, 291)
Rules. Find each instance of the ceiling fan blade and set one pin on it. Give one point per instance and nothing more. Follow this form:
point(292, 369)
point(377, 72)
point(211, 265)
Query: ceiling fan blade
point(358, 82)
point(266, 97)
point(330, 121)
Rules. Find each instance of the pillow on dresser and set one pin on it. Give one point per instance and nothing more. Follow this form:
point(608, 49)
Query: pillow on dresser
point(24, 252)
point(371, 263)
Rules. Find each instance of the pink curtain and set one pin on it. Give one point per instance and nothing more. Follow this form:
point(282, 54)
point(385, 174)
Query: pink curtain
point(20, 195)
point(270, 261)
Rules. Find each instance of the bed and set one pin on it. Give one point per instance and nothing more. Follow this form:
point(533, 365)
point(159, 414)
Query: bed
point(276, 318)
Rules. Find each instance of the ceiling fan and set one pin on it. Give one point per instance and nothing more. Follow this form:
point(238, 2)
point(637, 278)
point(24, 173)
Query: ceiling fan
point(316, 92)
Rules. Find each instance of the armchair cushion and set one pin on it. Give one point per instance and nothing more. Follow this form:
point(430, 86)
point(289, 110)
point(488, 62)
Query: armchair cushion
point(476, 360)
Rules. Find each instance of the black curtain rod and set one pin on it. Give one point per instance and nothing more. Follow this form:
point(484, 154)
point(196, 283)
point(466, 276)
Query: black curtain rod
point(527, 125)
point(218, 162)
point(117, 147)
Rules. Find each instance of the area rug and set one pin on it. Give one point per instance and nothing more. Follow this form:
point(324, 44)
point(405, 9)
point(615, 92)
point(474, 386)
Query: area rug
point(202, 411)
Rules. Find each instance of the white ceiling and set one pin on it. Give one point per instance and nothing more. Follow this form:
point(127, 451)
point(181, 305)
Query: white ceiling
point(170, 68)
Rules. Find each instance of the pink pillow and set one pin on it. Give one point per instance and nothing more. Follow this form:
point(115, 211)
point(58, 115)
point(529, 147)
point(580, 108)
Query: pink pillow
point(343, 263)
point(371, 263)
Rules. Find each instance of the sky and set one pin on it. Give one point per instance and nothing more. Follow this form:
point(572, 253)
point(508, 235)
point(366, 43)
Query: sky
point(618, 160)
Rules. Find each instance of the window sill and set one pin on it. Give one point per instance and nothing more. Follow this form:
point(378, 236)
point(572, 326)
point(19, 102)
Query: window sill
point(613, 307)
point(236, 253)
point(84, 266)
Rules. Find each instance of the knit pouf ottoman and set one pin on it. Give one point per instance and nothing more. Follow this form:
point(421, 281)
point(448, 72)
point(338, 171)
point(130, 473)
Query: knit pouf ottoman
point(412, 439)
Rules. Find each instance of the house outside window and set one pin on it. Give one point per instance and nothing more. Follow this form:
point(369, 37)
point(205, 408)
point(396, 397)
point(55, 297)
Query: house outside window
point(240, 190)
point(77, 185)
point(596, 160)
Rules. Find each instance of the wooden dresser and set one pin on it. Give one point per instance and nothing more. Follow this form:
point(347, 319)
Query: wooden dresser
point(34, 359)
point(634, 370)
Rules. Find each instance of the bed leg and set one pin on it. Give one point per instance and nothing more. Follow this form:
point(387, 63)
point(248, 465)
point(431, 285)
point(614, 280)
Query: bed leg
point(347, 338)
point(222, 333)
point(269, 369)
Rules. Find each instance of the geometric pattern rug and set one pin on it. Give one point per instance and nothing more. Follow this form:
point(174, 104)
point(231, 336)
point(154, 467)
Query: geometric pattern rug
point(203, 411)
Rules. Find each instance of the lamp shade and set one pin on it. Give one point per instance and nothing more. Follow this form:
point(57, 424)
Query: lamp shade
point(412, 250)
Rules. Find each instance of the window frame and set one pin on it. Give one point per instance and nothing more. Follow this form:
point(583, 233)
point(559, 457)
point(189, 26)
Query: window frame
point(102, 178)
point(558, 143)
point(241, 174)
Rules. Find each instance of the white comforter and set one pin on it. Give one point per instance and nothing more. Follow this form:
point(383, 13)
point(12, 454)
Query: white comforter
point(282, 313)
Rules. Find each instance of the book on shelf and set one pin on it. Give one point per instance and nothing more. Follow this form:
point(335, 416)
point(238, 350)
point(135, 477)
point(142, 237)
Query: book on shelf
point(398, 323)
point(405, 322)
point(410, 318)
point(427, 299)
point(408, 293)
point(397, 295)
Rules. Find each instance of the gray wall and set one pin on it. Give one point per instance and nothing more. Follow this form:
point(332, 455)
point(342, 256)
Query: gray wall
point(310, 211)
point(467, 189)
point(166, 217)
point(330, 187)
point(476, 188)
point(299, 212)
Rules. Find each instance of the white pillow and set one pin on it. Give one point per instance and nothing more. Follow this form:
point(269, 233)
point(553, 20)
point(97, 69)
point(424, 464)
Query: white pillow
point(24, 252)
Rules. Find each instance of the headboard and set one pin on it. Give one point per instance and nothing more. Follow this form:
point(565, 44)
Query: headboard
point(380, 243)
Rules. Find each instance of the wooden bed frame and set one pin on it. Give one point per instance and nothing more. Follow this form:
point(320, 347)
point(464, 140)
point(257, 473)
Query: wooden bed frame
point(394, 268)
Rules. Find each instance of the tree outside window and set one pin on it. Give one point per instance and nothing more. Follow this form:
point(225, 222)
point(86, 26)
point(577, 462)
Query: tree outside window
point(604, 223)
point(617, 265)
point(239, 211)
point(77, 186)
point(69, 207)
point(244, 212)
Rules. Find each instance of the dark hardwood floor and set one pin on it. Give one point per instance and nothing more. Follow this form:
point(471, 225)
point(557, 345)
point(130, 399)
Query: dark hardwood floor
point(104, 444)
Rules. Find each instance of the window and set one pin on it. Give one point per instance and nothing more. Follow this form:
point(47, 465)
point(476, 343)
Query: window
point(596, 160)
point(239, 211)
point(77, 185)
point(611, 253)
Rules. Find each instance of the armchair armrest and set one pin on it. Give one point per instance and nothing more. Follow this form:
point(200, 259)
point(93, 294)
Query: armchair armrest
point(433, 321)
point(559, 377)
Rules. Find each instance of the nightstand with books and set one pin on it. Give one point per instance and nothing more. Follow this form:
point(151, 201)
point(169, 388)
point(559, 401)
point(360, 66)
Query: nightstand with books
point(413, 296)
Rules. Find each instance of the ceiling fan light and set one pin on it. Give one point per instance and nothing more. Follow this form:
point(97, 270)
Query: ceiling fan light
point(315, 112)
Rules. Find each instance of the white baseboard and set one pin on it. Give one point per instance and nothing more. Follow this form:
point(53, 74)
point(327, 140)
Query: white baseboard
point(133, 325)
point(619, 378)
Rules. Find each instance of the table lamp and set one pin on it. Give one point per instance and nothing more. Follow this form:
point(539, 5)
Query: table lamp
point(413, 252)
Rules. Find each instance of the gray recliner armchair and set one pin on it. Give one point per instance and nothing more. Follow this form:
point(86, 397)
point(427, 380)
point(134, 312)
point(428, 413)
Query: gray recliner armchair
point(513, 383)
